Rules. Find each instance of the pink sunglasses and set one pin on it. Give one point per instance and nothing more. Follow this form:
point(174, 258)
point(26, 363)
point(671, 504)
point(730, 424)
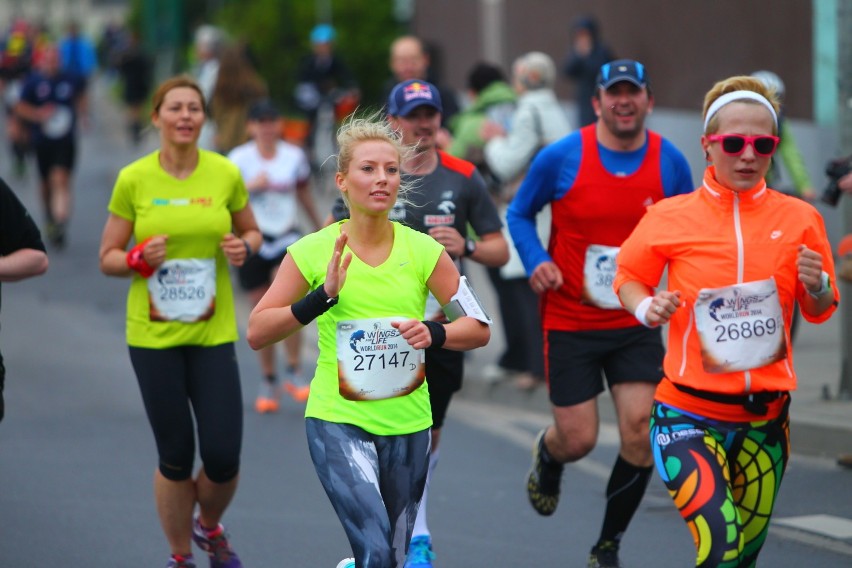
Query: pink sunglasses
point(735, 144)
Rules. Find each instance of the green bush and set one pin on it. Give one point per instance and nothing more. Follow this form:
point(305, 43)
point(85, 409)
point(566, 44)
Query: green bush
point(277, 33)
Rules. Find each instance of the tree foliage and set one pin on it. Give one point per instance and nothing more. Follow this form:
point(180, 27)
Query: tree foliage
point(277, 33)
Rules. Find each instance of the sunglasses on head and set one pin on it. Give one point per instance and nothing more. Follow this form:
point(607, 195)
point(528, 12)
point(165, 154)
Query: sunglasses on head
point(735, 144)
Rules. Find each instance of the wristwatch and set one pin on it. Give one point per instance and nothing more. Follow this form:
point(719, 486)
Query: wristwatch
point(469, 247)
point(824, 287)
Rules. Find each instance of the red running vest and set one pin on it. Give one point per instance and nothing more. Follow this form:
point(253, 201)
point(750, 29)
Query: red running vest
point(600, 208)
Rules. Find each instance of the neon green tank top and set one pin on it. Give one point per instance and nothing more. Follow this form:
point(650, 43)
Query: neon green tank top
point(397, 287)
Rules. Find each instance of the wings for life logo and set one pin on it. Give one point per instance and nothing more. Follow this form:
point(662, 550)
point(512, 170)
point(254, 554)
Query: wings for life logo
point(737, 306)
point(377, 339)
point(606, 264)
point(177, 274)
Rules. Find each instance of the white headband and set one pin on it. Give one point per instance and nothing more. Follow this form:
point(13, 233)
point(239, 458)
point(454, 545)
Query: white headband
point(738, 96)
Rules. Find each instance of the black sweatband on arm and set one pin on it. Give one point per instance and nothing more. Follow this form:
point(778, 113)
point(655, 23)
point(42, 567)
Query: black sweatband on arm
point(437, 331)
point(315, 304)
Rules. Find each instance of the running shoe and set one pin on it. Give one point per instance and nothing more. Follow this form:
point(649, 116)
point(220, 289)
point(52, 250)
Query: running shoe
point(180, 562)
point(267, 398)
point(215, 544)
point(420, 553)
point(346, 563)
point(604, 555)
point(543, 481)
point(299, 393)
point(56, 234)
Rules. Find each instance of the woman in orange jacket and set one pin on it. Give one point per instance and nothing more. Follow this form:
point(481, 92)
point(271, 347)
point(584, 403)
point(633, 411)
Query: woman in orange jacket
point(739, 256)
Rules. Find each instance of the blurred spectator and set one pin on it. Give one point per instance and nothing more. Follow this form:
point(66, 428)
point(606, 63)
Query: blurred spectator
point(409, 59)
point(788, 151)
point(135, 69)
point(492, 98)
point(208, 43)
point(111, 46)
point(238, 86)
point(588, 53)
point(323, 79)
point(77, 55)
point(16, 50)
point(539, 119)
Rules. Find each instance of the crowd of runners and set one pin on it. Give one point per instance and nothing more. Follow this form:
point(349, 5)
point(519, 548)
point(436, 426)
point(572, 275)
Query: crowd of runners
point(575, 221)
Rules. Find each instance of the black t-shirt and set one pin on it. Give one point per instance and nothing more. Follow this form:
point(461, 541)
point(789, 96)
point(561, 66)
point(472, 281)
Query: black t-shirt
point(17, 229)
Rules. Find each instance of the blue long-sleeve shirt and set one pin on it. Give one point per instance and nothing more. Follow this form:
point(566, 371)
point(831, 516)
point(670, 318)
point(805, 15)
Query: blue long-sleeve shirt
point(552, 174)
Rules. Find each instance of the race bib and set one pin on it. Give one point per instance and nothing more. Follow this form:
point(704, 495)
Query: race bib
point(741, 327)
point(374, 362)
point(598, 275)
point(183, 289)
point(59, 123)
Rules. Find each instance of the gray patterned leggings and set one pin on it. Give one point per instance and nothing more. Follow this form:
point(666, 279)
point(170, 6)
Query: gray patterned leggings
point(374, 484)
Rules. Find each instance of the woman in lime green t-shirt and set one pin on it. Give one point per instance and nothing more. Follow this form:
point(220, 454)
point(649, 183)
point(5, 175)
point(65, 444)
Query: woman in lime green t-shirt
point(187, 210)
point(365, 280)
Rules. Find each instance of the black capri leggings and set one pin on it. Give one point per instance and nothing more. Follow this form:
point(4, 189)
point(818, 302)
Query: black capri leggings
point(180, 381)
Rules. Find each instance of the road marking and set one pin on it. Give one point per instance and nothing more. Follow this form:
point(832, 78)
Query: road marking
point(825, 525)
point(811, 539)
point(519, 427)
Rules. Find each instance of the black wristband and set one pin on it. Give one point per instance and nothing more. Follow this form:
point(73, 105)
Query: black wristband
point(438, 333)
point(312, 306)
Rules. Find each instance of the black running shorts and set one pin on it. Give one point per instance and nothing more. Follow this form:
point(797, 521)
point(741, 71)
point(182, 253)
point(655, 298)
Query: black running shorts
point(444, 372)
point(578, 361)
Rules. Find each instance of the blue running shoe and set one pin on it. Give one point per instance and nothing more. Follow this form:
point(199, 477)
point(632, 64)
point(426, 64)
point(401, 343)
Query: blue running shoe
point(420, 553)
point(215, 544)
point(346, 563)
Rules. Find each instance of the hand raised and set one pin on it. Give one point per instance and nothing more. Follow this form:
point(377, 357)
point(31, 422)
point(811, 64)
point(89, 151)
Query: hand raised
point(335, 276)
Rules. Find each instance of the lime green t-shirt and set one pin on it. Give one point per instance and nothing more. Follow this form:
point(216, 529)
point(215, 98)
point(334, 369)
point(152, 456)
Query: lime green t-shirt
point(396, 288)
point(195, 213)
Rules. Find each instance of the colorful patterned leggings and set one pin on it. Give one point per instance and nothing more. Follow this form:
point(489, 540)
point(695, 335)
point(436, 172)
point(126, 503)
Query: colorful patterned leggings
point(723, 477)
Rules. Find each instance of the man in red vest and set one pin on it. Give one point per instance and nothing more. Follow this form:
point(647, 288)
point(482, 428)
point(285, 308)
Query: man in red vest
point(598, 181)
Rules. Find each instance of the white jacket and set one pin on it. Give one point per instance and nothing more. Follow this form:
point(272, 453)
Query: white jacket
point(539, 119)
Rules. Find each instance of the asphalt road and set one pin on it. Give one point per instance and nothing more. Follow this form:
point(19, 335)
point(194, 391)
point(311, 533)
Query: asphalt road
point(77, 456)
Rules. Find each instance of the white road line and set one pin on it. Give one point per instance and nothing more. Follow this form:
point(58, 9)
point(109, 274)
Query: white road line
point(519, 427)
point(826, 525)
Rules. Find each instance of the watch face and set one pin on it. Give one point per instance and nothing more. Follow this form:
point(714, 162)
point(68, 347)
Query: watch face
point(469, 246)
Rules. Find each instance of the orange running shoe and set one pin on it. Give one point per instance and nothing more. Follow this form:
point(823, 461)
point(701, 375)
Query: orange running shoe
point(299, 393)
point(267, 398)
